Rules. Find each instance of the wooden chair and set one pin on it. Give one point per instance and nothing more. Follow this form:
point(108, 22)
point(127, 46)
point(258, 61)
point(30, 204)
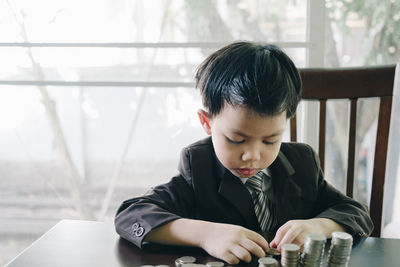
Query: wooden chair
point(352, 84)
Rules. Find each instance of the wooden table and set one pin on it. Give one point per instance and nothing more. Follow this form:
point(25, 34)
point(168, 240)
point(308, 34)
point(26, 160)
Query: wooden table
point(86, 243)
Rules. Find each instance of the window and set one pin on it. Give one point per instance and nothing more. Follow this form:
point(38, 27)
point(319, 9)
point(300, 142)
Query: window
point(97, 98)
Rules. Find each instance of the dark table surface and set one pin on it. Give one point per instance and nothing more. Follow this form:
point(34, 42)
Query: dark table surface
point(85, 243)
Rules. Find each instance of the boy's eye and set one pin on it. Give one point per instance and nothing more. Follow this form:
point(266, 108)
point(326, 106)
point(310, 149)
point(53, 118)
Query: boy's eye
point(269, 143)
point(235, 142)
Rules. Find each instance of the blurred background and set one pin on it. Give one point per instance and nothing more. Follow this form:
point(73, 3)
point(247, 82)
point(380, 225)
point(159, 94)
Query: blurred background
point(97, 97)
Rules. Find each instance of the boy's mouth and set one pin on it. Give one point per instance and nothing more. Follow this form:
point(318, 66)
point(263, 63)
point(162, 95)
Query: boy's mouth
point(247, 171)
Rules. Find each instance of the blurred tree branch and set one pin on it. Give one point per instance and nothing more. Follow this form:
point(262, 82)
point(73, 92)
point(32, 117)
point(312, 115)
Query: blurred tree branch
point(77, 189)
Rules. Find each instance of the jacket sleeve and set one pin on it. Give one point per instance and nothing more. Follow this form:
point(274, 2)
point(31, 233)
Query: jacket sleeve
point(332, 204)
point(138, 216)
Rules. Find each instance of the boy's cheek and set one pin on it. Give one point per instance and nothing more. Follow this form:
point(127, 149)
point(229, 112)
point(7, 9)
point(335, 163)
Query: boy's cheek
point(224, 150)
point(226, 160)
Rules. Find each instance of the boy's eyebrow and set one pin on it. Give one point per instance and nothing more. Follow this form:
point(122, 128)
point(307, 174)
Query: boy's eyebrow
point(244, 135)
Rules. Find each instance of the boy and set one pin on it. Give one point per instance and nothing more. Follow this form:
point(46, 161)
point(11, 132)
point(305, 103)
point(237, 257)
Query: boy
point(249, 91)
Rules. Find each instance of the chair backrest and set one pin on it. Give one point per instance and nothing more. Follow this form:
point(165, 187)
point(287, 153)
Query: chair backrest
point(352, 84)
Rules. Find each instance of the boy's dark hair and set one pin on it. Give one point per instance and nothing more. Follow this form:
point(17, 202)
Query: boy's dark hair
point(261, 77)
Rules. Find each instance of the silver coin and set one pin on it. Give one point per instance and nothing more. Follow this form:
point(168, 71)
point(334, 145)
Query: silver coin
point(273, 252)
point(290, 247)
point(186, 259)
point(215, 264)
point(342, 235)
point(267, 262)
point(341, 239)
point(317, 237)
point(183, 260)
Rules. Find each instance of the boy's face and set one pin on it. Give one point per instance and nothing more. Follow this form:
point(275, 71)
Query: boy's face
point(244, 142)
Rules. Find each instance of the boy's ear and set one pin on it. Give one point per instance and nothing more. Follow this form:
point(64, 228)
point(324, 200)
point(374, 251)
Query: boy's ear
point(204, 120)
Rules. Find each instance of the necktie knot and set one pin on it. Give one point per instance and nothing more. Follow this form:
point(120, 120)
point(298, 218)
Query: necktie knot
point(255, 182)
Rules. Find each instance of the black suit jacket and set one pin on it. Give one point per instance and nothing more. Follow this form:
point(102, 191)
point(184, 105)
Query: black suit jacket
point(205, 190)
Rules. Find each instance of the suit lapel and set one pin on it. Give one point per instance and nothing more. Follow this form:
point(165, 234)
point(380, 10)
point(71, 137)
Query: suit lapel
point(281, 171)
point(233, 190)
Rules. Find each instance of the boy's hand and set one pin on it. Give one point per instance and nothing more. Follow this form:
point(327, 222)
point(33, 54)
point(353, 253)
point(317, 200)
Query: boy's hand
point(232, 243)
point(296, 231)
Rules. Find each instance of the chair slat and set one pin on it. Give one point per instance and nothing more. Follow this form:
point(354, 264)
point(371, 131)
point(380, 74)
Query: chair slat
point(378, 178)
point(352, 147)
point(322, 131)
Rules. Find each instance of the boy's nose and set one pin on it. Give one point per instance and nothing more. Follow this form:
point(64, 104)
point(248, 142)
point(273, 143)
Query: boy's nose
point(251, 154)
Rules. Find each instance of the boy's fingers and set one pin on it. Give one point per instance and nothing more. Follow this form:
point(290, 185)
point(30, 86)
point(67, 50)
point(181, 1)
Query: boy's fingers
point(241, 253)
point(280, 234)
point(253, 247)
point(259, 240)
point(289, 236)
point(230, 258)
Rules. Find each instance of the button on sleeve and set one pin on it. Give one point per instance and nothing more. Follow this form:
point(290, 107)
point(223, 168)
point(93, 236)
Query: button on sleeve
point(139, 232)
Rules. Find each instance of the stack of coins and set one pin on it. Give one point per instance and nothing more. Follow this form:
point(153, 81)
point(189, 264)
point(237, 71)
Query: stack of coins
point(290, 255)
point(313, 252)
point(267, 262)
point(339, 252)
point(184, 260)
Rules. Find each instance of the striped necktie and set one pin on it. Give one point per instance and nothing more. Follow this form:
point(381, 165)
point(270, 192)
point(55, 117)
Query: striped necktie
point(262, 205)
